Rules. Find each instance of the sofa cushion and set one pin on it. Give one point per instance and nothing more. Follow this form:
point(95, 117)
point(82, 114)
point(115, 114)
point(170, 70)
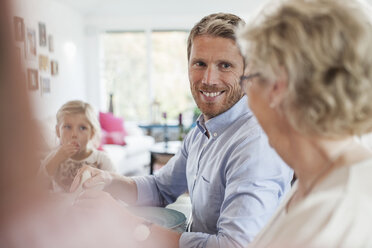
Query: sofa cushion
point(111, 123)
point(113, 131)
point(114, 138)
point(138, 144)
point(132, 157)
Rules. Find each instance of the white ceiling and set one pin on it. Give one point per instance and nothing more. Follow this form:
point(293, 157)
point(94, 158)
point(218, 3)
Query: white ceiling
point(120, 8)
point(125, 8)
point(162, 14)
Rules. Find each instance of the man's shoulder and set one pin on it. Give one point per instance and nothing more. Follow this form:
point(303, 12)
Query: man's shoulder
point(245, 127)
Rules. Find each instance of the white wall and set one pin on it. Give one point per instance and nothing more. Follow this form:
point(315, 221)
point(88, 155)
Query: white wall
point(67, 28)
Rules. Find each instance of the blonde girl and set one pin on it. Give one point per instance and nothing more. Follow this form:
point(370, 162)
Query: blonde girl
point(78, 131)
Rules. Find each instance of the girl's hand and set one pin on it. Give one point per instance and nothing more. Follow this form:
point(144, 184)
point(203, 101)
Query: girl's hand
point(66, 151)
point(99, 178)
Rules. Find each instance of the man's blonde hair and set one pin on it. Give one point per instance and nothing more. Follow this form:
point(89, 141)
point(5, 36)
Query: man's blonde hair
point(325, 47)
point(80, 107)
point(218, 25)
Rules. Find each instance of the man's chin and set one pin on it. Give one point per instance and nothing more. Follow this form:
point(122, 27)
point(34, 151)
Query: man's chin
point(210, 110)
point(210, 113)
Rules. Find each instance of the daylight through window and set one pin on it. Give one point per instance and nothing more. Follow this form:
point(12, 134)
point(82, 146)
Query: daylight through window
point(147, 73)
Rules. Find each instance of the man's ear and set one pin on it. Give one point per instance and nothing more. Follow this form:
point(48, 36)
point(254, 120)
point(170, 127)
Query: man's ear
point(57, 131)
point(279, 89)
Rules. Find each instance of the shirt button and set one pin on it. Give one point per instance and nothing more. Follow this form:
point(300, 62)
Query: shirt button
point(215, 134)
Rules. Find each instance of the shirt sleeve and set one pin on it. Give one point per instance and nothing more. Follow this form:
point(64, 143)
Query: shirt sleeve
point(255, 184)
point(106, 162)
point(167, 184)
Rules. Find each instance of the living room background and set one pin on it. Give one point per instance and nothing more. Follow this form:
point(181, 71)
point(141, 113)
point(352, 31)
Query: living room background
point(147, 74)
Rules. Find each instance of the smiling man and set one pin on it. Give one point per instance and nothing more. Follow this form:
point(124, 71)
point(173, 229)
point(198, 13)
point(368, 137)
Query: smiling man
point(234, 178)
point(215, 67)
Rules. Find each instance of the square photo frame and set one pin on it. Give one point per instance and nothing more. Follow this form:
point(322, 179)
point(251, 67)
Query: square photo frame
point(54, 67)
point(50, 43)
point(30, 44)
point(18, 54)
point(32, 79)
point(19, 28)
point(43, 63)
point(42, 35)
point(45, 85)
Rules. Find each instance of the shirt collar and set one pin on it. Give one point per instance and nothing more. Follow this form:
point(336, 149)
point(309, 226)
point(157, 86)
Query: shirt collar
point(221, 122)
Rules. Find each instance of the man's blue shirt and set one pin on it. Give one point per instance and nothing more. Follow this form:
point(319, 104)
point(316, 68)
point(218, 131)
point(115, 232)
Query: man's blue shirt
point(234, 178)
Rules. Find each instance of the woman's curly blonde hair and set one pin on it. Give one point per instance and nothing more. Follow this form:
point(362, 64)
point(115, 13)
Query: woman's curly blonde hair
point(325, 47)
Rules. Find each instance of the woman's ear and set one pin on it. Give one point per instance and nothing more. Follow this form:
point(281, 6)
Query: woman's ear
point(279, 89)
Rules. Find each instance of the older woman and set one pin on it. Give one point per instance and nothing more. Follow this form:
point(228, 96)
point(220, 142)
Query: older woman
point(309, 82)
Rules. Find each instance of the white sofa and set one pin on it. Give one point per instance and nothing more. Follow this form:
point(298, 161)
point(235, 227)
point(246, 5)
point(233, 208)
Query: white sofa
point(134, 157)
point(131, 159)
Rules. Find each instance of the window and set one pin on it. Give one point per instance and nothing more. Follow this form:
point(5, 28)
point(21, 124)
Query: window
point(147, 73)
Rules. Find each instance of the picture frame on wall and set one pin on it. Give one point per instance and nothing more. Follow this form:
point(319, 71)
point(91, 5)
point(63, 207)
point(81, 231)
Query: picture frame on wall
point(19, 28)
point(54, 67)
point(43, 63)
point(42, 34)
point(50, 43)
point(30, 44)
point(45, 85)
point(19, 55)
point(32, 79)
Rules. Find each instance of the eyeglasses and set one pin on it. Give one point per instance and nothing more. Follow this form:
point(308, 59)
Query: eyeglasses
point(244, 80)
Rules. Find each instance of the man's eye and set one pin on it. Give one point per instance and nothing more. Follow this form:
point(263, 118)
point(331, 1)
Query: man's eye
point(200, 64)
point(225, 65)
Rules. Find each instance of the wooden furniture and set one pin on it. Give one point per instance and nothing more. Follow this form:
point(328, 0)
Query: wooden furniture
point(161, 152)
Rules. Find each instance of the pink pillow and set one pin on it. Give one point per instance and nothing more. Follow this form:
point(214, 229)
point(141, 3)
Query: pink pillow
point(110, 123)
point(113, 131)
